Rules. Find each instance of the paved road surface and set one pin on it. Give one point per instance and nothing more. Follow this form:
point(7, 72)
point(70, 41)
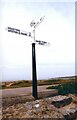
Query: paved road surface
point(21, 91)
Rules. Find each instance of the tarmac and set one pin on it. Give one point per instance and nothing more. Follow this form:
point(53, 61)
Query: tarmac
point(23, 91)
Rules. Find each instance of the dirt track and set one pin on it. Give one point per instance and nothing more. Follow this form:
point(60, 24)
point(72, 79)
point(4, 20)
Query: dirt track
point(22, 91)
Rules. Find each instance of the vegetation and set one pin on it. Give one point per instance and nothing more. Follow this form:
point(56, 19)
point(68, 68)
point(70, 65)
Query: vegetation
point(66, 88)
point(28, 83)
point(17, 84)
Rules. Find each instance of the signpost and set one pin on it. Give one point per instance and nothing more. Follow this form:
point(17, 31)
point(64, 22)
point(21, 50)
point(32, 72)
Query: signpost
point(21, 32)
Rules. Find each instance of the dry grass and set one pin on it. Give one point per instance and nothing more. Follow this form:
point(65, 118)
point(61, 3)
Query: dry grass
point(28, 83)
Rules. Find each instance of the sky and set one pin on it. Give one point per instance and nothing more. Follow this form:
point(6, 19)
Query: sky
point(57, 28)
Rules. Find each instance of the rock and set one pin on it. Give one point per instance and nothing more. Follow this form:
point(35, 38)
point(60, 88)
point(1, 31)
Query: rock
point(69, 111)
point(59, 101)
point(42, 108)
point(74, 97)
point(28, 105)
point(37, 105)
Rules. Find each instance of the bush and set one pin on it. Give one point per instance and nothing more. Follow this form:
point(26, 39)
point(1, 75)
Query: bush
point(3, 86)
point(66, 88)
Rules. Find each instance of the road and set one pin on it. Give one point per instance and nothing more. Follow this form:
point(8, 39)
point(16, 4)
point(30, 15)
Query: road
point(21, 91)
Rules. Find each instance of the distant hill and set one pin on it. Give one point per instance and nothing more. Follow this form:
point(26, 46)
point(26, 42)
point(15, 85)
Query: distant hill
point(64, 78)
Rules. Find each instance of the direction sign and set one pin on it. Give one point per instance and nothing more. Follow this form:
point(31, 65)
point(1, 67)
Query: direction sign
point(41, 42)
point(17, 31)
point(35, 24)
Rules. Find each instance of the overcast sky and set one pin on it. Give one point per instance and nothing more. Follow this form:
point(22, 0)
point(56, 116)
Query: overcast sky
point(58, 28)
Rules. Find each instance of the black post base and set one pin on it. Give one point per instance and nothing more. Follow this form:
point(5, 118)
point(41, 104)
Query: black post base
point(34, 76)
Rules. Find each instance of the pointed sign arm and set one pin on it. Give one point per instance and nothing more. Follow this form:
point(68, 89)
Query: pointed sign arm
point(42, 42)
point(37, 24)
point(18, 31)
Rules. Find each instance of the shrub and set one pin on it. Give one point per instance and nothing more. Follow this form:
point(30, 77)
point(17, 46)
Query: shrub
point(66, 88)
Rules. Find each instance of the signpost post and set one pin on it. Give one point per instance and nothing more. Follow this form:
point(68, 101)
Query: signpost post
point(21, 32)
point(34, 74)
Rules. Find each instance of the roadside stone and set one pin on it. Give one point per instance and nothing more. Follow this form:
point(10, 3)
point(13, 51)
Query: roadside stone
point(28, 105)
point(74, 97)
point(37, 105)
point(60, 101)
point(69, 111)
point(42, 108)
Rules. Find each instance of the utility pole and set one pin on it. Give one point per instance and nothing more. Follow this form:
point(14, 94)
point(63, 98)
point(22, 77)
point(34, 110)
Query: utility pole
point(34, 42)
